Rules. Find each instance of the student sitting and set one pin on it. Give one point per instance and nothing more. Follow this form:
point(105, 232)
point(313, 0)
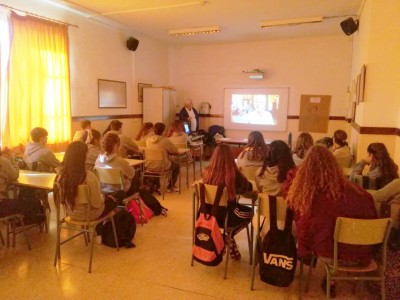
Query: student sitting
point(222, 170)
point(8, 174)
point(74, 173)
point(318, 195)
point(255, 152)
point(110, 159)
point(303, 143)
point(36, 150)
point(93, 148)
point(272, 174)
point(85, 128)
point(389, 194)
point(325, 141)
point(381, 165)
point(145, 132)
point(341, 149)
point(127, 146)
point(158, 141)
point(176, 133)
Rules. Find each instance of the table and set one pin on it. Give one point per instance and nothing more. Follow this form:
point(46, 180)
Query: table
point(236, 141)
point(37, 180)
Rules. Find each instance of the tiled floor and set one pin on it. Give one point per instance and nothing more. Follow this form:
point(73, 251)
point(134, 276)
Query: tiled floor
point(158, 268)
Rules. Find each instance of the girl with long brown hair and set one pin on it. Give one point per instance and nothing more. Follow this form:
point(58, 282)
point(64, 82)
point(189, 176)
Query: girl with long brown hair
point(318, 195)
point(273, 173)
point(382, 167)
point(303, 143)
point(145, 132)
point(222, 170)
point(255, 151)
point(73, 173)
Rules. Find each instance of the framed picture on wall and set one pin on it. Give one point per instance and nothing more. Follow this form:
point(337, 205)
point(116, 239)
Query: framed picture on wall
point(358, 89)
point(362, 82)
point(140, 90)
point(112, 94)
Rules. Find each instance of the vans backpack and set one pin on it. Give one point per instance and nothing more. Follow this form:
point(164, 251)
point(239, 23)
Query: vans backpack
point(278, 253)
point(208, 241)
point(30, 205)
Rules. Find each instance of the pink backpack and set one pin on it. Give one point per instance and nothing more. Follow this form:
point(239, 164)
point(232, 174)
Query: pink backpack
point(208, 241)
point(133, 208)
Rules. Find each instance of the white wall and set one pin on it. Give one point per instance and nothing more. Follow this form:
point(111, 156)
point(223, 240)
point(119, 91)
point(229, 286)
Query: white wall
point(319, 65)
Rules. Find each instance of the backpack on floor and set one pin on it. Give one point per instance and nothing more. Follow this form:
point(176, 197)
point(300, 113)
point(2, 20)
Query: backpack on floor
point(30, 206)
point(208, 241)
point(125, 227)
point(153, 203)
point(278, 253)
point(140, 216)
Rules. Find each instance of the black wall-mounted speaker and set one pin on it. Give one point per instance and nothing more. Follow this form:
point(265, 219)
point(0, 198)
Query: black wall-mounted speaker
point(349, 26)
point(132, 44)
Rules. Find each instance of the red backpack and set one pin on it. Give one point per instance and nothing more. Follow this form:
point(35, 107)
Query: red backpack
point(208, 241)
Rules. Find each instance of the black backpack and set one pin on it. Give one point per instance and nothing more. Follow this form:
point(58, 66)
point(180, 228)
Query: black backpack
point(278, 253)
point(153, 203)
point(125, 226)
point(212, 131)
point(30, 206)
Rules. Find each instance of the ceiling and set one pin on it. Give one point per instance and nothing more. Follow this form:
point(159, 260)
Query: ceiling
point(238, 19)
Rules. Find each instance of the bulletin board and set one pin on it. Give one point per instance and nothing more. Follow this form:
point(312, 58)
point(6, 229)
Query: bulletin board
point(314, 113)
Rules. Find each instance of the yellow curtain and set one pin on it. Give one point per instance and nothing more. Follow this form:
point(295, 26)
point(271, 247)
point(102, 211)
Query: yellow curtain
point(39, 92)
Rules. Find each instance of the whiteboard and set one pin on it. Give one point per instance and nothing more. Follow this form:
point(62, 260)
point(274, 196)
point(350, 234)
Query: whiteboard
point(111, 93)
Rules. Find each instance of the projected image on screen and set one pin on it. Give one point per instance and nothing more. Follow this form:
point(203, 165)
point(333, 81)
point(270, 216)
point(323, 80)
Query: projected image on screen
point(263, 109)
point(254, 109)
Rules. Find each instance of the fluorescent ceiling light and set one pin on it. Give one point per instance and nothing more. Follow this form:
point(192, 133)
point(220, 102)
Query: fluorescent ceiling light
point(289, 22)
point(193, 31)
point(154, 8)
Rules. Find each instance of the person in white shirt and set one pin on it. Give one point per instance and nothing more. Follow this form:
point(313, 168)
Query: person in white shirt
point(189, 114)
point(82, 135)
point(127, 146)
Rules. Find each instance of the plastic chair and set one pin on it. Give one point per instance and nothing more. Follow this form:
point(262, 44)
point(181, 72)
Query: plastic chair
point(210, 193)
point(186, 159)
point(114, 176)
point(250, 174)
point(158, 156)
point(344, 161)
point(263, 211)
point(359, 232)
point(86, 228)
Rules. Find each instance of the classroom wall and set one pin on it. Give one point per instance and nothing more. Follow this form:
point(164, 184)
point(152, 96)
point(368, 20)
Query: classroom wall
point(318, 65)
point(377, 44)
point(98, 51)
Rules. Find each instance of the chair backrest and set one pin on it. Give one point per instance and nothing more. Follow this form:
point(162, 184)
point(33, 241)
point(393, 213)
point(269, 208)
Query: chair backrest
point(83, 196)
point(109, 176)
point(361, 231)
point(210, 193)
point(344, 161)
point(263, 207)
point(181, 145)
point(35, 166)
point(155, 154)
point(141, 143)
point(249, 172)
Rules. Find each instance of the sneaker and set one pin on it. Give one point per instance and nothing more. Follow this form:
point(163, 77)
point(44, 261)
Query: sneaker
point(173, 189)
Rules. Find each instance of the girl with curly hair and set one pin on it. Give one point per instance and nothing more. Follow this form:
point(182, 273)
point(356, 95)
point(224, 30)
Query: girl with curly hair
point(303, 143)
point(273, 173)
point(381, 165)
point(255, 151)
point(318, 195)
point(222, 170)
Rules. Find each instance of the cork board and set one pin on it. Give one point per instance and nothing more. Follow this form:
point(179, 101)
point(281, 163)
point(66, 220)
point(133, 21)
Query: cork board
point(314, 113)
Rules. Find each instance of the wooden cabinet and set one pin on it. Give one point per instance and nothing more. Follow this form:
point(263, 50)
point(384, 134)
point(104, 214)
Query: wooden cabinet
point(159, 105)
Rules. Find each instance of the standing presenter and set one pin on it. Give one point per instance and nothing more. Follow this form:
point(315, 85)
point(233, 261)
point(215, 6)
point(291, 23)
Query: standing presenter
point(189, 114)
